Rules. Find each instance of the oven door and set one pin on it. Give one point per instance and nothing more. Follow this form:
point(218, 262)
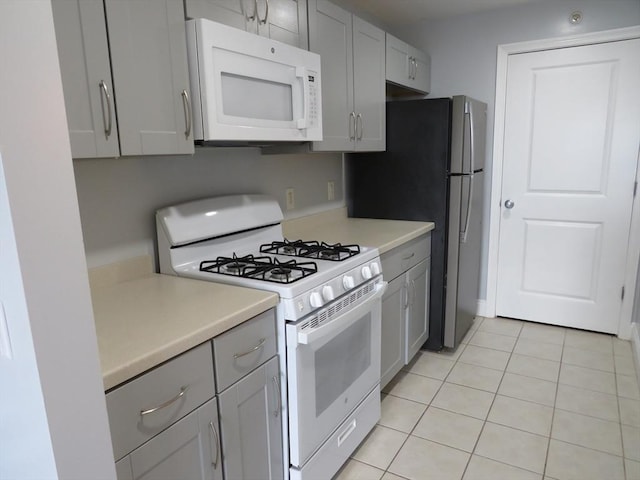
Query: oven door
point(331, 369)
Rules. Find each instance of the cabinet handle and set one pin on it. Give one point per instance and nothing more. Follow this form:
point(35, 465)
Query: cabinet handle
point(352, 126)
point(255, 10)
point(409, 257)
point(217, 449)
point(406, 296)
point(359, 121)
point(186, 103)
point(266, 13)
point(105, 96)
point(413, 288)
point(410, 67)
point(183, 390)
point(276, 384)
point(257, 347)
point(415, 68)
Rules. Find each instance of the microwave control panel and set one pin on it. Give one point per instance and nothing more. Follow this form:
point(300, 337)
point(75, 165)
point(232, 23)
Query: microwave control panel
point(313, 99)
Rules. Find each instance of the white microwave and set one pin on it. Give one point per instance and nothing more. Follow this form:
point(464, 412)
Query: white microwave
point(248, 88)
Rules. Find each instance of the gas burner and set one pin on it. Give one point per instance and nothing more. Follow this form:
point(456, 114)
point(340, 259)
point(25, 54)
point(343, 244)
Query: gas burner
point(261, 268)
point(235, 267)
point(311, 249)
point(280, 273)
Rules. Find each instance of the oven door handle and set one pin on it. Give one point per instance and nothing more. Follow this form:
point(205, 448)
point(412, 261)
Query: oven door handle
point(336, 327)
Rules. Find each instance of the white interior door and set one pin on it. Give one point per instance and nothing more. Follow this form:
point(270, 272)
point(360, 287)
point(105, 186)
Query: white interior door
point(572, 129)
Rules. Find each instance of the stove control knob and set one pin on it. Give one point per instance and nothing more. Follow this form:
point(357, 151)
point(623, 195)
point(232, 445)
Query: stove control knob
point(375, 268)
point(315, 299)
point(366, 273)
point(348, 282)
point(327, 293)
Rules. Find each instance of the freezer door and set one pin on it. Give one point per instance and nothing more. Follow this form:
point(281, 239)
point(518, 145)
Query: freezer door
point(468, 132)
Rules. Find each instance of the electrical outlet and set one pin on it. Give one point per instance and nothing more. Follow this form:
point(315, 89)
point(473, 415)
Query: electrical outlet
point(291, 200)
point(331, 191)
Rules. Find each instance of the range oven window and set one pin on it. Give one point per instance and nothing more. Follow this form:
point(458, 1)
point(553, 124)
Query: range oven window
point(339, 363)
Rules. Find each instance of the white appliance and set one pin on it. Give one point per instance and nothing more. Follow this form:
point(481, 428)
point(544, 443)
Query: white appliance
point(328, 318)
point(251, 88)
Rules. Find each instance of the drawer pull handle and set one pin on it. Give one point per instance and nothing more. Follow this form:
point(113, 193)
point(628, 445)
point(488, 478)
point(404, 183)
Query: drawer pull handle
point(257, 347)
point(183, 390)
point(215, 436)
point(408, 257)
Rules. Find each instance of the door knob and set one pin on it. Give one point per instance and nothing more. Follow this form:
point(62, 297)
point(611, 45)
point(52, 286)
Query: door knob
point(509, 204)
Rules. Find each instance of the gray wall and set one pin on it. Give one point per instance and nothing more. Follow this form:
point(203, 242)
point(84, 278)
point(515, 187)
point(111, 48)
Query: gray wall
point(463, 52)
point(118, 196)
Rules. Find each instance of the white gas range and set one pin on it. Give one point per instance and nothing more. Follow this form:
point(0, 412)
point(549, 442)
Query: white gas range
point(328, 318)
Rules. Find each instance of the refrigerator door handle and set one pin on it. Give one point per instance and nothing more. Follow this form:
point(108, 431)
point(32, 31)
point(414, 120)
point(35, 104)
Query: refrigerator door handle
point(468, 111)
point(464, 232)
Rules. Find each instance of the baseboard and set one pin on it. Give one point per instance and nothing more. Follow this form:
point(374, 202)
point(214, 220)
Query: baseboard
point(635, 346)
point(481, 309)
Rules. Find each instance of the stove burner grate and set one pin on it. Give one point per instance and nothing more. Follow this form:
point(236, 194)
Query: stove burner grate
point(261, 268)
point(311, 249)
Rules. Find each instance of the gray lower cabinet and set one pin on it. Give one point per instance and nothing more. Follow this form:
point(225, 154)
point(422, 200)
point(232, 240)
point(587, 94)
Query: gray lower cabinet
point(251, 426)
point(392, 331)
point(189, 449)
point(282, 20)
point(173, 423)
point(417, 323)
point(125, 76)
point(405, 312)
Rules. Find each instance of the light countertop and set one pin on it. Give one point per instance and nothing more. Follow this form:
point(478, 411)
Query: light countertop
point(144, 321)
point(334, 226)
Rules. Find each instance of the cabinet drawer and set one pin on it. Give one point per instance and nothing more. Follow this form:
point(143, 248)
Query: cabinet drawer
point(404, 257)
point(245, 347)
point(190, 373)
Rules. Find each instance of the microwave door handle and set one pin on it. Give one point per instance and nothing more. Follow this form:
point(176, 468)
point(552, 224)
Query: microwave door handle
point(334, 328)
point(301, 72)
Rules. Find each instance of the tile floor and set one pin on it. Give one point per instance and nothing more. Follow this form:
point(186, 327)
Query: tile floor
point(516, 400)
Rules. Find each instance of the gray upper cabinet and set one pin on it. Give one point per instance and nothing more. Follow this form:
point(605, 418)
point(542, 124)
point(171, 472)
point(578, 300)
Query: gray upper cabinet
point(141, 45)
point(149, 63)
point(282, 20)
point(353, 78)
point(407, 66)
point(83, 51)
point(251, 426)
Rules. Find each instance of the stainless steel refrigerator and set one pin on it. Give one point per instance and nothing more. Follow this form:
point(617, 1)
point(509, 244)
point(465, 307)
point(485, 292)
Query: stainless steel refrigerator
point(432, 170)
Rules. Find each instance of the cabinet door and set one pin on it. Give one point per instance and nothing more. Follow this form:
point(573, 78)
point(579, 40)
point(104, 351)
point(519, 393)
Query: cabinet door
point(369, 85)
point(284, 20)
point(251, 425)
point(417, 328)
point(393, 324)
point(190, 448)
point(397, 61)
point(235, 13)
point(422, 72)
point(83, 50)
point(331, 36)
point(149, 64)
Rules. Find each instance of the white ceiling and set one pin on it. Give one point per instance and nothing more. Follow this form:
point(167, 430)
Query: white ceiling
point(403, 12)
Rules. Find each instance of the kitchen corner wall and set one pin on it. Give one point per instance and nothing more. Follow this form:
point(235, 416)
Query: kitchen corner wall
point(463, 52)
point(118, 197)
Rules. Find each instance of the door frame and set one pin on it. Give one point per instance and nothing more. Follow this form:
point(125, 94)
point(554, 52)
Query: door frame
point(633, 248)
